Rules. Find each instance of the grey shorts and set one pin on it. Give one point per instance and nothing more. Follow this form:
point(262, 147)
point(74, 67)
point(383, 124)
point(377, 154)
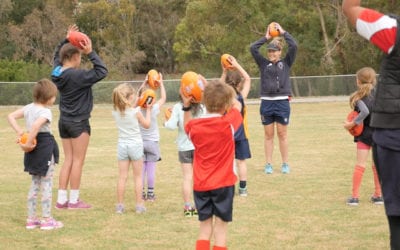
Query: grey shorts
point(129, 151)
point(151, 151)
point(186, 156)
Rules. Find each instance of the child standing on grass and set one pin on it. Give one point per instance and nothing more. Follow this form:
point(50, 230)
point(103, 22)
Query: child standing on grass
point(40, 158)
point(185, 152)
point(76, 104)
point(362, 101)
point(213, 176)
point(151, 138)
point(240, 81)
point(130, 143)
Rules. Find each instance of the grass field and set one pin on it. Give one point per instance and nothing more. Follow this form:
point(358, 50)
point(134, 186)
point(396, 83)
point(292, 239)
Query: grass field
point(303, 210)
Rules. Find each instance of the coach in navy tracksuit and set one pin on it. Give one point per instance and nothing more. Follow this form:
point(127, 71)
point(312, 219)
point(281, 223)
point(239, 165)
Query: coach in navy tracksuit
point(275, 91)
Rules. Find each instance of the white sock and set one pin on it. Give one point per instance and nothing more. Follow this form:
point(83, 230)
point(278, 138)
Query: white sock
point(62, 196)
point(73, 196)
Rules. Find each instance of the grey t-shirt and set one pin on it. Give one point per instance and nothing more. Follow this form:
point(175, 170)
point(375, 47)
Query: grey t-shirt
point(34, 111)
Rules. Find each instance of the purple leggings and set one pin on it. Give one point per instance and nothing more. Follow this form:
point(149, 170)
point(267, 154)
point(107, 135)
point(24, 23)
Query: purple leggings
point(149, 171)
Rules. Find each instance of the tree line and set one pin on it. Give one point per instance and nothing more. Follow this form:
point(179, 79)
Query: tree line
point(172, 36)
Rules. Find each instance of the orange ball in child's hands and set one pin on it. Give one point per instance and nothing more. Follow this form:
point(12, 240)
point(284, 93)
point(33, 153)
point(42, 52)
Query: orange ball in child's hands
point(76, 38)
point(225, 61)
point(24, 138)
point(153, 79)
point(357, 129)
point(273, 29)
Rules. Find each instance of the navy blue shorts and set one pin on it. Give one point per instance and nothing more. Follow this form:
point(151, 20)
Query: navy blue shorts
point(218, 202)
point(73, 129)
point(275, 111)
point(242, 150)
point(387, 163)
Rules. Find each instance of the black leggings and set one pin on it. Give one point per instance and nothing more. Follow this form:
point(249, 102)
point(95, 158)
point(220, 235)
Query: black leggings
point(394, 227)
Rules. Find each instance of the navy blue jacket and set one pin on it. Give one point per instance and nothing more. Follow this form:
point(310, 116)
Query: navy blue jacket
point(275, 78)
point(75, 86)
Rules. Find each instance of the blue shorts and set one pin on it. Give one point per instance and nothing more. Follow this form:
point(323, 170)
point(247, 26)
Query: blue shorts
point(218, 202)
point(275, 111)
point(242, 150)
point(129, 151)
point(151, 151)
point(73, 129)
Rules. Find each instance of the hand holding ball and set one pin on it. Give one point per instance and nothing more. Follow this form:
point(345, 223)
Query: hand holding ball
point(225, 61)
point(273, 29)
point(192, 86)
point(146, 98)
point(357, 129)
point(24, 138)
point(77, 38)
point(153, 79)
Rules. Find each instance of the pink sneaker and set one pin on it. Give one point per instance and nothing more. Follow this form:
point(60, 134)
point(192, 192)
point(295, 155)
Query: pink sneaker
point(61, 206)
point(79, 205)
point(32, 223)
point(50, 224)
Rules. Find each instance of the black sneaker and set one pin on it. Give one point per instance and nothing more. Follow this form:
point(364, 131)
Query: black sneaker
point(352, 201)
point(377, 200)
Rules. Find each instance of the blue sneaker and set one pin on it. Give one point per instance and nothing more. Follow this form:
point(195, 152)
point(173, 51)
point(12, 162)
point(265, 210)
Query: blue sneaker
point(268, 169)
point(285, 168)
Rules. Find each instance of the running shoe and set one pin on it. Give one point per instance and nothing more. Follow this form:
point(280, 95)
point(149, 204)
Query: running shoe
point(352, 201)
point(61, 206)
point(243, 192)
point(79, 205)
point(50, 224)
point(285, 168)
point(32, 223)
point(120, 209)
point(268, 169)
point(378, 200)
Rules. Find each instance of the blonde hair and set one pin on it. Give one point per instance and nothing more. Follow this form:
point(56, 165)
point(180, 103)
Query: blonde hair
point(218, 96)
point(278, 42)
point(43, 91)
point(366, 79)
point(120, 96)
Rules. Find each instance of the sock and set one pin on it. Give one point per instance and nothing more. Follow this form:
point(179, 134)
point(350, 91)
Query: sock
point(219, 248)
point(242, 184)
point(62, 196)
point(202, 245)
point(73, 196)
point(187, 205)
point(378, 191)
point(357, 178)
point(150, 191)
point(394, 226)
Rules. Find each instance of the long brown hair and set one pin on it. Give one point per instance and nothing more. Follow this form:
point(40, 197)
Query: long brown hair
point(366, 81)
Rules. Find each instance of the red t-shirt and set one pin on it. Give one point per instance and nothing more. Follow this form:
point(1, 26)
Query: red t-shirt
point(213, 138)
point(378, 28)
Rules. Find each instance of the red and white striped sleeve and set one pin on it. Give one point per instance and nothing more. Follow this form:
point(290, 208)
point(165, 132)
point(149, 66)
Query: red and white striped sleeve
point(378, 28)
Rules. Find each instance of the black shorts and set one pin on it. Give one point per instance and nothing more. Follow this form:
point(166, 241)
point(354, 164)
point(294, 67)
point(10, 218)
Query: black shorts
point(73, 129)
point(218, 202)
point(186, 156)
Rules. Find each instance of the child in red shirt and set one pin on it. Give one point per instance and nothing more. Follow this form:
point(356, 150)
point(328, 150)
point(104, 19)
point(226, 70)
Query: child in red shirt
point(213, 167)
